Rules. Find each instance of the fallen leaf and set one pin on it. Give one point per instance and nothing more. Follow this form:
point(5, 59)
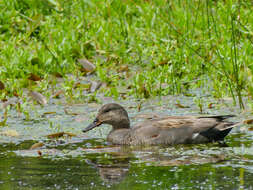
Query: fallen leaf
point(77, 85)
point(10, 133)
point(15, 94)
point(87, 66)
point(60, 134)
point(139, 106)
point(69, 113)
point(19, 108)
point(34, 77)
point(58, 75)
point(248, 121)
point(181, 106)
point(123, 95)
point(145, 92)
point(57, 94)
point(38, 97)
point(4, 100)
point(165, 62)
point(12, 101)
point(82, 86)
point(36, 145)
point(39, 153)
point(95, 86)
point(123, 68)
point(211, 105)
point(49, 112)
point(2, 85)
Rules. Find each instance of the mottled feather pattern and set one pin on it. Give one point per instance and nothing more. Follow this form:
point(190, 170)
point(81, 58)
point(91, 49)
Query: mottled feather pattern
point(168, 130)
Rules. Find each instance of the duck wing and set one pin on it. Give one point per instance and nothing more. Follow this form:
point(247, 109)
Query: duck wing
point(181, 130)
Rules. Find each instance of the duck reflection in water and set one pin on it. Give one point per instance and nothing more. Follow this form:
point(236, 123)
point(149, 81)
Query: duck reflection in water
point(120, 159)
point(112, 173)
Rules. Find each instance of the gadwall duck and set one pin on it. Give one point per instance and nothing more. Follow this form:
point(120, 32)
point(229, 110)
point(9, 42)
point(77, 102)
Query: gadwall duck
point(168, 130)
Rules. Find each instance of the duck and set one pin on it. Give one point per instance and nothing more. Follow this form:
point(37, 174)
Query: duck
point(167, 130)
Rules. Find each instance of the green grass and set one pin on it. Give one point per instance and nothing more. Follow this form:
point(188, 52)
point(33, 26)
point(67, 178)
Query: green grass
point(169, 46)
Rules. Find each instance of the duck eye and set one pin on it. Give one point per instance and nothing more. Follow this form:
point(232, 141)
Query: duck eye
point(107, 110)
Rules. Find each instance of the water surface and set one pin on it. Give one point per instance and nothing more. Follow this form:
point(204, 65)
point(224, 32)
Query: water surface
point(87, 161)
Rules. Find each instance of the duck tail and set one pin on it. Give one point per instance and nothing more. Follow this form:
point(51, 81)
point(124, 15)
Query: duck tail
point(220, 131)
point(229, 125)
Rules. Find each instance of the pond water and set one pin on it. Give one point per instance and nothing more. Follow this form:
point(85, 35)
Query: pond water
point(87, 161)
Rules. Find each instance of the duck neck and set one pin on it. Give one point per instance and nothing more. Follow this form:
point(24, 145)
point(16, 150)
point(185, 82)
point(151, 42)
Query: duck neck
point(123, 124)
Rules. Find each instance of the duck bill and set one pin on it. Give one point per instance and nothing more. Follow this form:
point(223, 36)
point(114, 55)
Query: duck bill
point(94, 124)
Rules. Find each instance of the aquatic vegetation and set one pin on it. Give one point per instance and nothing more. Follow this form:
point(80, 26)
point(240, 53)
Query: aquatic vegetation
point(168, 47)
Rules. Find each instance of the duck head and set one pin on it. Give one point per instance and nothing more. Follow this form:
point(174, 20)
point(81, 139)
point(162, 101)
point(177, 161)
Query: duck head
point(112, 114)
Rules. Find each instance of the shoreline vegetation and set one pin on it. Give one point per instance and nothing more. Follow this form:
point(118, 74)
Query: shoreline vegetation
point(125, 48)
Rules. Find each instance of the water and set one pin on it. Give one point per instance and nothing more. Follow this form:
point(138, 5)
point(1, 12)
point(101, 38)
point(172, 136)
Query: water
point(87, 161)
